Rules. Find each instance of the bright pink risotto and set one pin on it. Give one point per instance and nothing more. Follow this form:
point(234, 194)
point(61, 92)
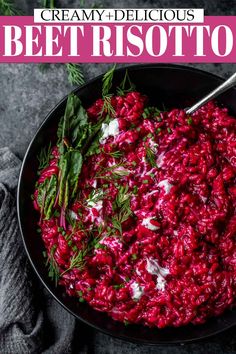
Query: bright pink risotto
point(149, 236)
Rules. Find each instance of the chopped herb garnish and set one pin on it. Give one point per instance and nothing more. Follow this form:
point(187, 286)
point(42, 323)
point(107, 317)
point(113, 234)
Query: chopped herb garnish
point(144, 115)
point(118, 286)
point(169, 130)
point(101, 246)
point(135, 190)
point(134, 256)
point(190, 120)
point(145, 181)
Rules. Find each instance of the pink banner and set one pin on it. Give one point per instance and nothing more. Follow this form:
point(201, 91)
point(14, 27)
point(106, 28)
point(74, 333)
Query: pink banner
point(22, 40)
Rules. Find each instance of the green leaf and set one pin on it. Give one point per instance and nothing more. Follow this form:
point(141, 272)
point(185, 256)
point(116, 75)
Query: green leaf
point(70, 165)
point(50, 197)
point(63, 164)
point(74, 126)
point(44, 157)
point(46, 196)
point(75, 165)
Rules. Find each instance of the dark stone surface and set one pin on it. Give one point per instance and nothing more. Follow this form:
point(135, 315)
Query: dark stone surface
point(27, 95)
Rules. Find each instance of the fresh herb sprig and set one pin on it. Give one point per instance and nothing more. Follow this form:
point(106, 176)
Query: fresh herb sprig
point(96, 195)
point(150, 156)
point(107, 81)
point(75, 74)
point(78, 259)
point(53, 270)
point(122, 208)
point(126, 85)
point(107, 107)
point(7, 8)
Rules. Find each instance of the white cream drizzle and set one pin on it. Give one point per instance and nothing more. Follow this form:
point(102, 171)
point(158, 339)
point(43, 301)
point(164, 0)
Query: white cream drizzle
point(146, 222)
point(160, 160)
point(166, 184)
point(154, 268)
point(111, 129)
point(137, 290)
point(73, 215)
point(111, 242)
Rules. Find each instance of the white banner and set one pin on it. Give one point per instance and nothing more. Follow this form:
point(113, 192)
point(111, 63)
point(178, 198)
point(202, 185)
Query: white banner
point(119, 15)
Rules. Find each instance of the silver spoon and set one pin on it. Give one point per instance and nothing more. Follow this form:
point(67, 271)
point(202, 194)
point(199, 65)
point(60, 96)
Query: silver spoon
point(216, 92)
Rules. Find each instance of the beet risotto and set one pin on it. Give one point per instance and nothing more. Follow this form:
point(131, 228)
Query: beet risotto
point(137, 209)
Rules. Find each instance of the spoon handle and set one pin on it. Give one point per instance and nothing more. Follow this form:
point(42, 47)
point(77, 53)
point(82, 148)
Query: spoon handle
point(216, 92)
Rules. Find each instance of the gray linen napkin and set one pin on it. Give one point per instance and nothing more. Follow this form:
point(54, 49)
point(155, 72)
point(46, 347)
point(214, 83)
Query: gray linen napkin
point(30, 320)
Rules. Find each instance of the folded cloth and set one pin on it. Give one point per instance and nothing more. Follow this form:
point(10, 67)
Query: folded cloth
point(30, 320)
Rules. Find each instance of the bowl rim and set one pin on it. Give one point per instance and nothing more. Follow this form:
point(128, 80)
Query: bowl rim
point(51, 292)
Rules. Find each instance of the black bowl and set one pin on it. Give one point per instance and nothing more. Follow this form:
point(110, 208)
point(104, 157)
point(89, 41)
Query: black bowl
point(168, 85)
